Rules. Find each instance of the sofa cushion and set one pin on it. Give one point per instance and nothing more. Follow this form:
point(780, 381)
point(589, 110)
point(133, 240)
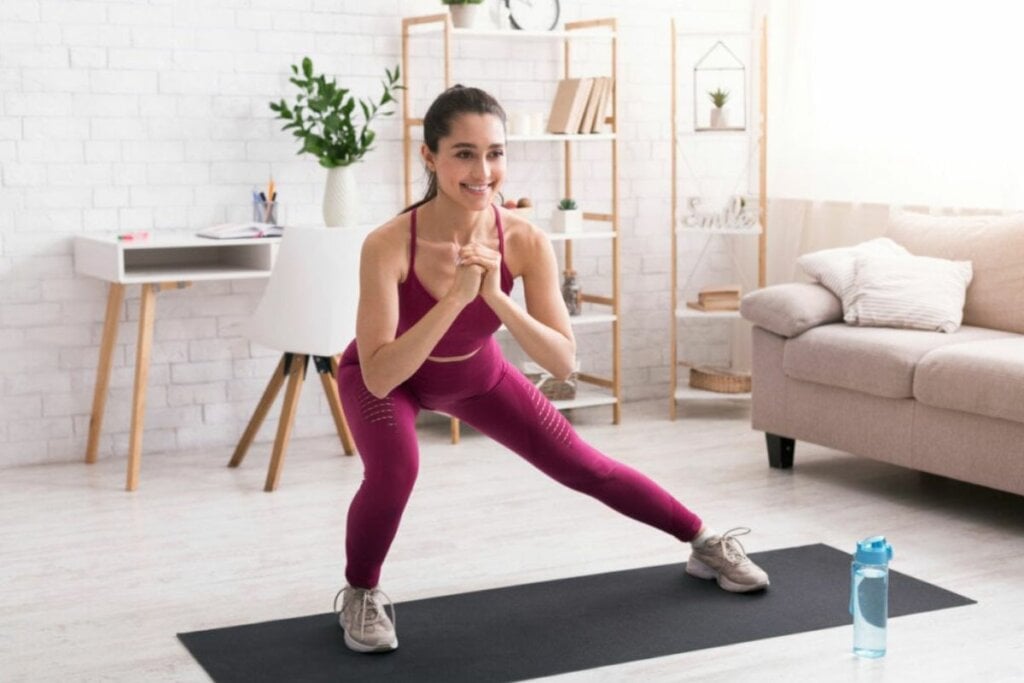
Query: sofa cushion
point(913, 292)
point(981, 377)
point(873, 360)
point(993, 245)
point(792, 308)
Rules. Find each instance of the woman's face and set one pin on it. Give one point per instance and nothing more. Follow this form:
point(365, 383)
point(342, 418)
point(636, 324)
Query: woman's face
point(470, 161)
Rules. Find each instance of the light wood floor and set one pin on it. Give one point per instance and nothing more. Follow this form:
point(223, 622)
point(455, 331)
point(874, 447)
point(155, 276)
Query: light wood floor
point(95, 582)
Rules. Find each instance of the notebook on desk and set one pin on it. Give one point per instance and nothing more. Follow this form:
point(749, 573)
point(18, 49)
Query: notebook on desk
point(232, 231)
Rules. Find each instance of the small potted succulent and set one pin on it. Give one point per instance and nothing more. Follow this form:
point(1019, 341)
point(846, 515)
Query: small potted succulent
point(719, 114)
point(463, 12)
point(567, 218)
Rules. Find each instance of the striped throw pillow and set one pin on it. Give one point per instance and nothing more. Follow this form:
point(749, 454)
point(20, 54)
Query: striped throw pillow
point(914, 292)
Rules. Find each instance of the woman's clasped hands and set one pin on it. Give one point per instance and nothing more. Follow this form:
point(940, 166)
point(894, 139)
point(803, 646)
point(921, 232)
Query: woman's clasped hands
point(477, 271)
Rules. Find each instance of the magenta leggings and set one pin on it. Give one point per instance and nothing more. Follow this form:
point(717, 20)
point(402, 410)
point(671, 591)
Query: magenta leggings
point(489, 394)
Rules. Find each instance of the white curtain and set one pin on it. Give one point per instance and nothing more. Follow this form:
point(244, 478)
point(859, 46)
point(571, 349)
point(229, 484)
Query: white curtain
point(875, 105)
point(897, 102)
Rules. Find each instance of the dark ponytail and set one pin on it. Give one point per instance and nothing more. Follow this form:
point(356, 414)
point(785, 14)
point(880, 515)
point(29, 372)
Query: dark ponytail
point(437, 123)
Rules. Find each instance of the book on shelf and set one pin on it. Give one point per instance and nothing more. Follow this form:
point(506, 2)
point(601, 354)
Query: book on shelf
point(722, 292)
point(234, 231)
point(590, 111)
point(569, 105)
point(714, 305)
point(718, 298)
point(604, 96)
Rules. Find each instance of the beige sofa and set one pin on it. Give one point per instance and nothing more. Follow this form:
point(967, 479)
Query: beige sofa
point(950, 404)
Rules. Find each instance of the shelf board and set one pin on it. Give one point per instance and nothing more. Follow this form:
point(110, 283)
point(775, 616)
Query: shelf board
point(587, 397)
point(711, 132)
point(543, 137)
point(583, 320)
point(714, 34)
point(591, 319)
point(594, 235)
point(561, 137)
point(693, 313)
point(688, 393)
point(756, 230)
point(513, 34)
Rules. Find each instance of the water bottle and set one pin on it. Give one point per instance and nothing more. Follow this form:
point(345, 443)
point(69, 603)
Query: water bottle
point(869, 596)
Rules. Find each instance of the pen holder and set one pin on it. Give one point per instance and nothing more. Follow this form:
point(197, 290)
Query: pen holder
point(265, 212)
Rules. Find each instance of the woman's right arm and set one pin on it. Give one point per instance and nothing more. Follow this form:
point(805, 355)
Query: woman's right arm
point(386, 361)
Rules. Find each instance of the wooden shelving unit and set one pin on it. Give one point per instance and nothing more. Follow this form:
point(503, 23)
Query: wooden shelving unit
point(756, 133)
point(599, 390)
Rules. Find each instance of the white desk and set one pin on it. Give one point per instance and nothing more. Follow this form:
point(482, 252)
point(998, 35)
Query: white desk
point(163, 261)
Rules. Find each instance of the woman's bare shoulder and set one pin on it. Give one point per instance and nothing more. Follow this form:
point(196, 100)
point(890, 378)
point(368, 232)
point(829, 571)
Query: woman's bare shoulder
point(526, 245)
point(521, 234)
point(389, 243)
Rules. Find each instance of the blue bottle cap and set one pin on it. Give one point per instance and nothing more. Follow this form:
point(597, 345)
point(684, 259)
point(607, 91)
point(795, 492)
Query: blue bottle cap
point(874, 550)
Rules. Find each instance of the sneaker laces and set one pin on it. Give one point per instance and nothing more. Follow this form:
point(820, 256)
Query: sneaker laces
point(369, 610)
point(731, 547)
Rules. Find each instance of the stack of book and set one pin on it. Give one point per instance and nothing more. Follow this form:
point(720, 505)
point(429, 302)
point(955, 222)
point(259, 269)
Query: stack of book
point(724, 298)
point(580, 105)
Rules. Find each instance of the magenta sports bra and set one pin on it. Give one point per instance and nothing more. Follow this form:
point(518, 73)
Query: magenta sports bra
point(473, 326)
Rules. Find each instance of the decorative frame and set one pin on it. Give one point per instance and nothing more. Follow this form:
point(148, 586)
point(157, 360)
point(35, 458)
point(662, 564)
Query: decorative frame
point(719, 69)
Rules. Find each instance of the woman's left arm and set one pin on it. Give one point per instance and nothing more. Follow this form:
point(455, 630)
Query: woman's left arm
point(543, 329)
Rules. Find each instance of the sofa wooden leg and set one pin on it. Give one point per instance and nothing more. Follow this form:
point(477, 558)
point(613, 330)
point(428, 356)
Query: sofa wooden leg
point(780, 450)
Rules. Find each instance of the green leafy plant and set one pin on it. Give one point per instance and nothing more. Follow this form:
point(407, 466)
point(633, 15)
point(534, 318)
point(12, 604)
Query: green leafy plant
point(461, 2)
point(567, 205)
point(719, 97)
point(322, 116)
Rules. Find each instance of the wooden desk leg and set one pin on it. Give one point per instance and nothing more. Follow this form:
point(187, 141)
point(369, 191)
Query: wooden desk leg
point(456, 430)
point(329, 380)
point(258, 415)
point(284, 427)
point(145, 343)
point(115, 297)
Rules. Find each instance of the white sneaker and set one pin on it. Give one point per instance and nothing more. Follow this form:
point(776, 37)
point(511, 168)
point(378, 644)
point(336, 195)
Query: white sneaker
point(723, 558)
point(367, 625)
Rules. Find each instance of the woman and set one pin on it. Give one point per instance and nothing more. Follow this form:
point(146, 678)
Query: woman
point(434, 287)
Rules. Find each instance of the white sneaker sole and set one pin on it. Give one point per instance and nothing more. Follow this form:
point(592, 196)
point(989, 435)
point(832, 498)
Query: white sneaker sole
point(354, 644)
point(695, 567)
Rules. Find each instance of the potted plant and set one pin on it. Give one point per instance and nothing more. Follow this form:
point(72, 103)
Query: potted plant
point(323, 119)
point(463, 12)
point(719, 114)
point(568, 217)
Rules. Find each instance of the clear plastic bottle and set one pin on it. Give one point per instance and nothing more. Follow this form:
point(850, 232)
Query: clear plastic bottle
point(869, 596)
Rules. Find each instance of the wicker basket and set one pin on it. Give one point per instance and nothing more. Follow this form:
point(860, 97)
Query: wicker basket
point(722, 380)
point(554, 389)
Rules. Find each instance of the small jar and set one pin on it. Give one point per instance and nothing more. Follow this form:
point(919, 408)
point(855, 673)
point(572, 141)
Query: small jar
point(571, 293)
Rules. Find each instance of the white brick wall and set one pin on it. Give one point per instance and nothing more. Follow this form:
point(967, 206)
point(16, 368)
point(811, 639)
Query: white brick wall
point(120, 115)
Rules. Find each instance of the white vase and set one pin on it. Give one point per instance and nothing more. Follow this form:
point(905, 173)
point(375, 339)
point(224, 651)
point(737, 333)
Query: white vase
point(463, 16)
point(719, 117)
point(567, 221)
point(341, 197)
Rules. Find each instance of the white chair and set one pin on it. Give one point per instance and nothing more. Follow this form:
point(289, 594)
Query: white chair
point(308, 310)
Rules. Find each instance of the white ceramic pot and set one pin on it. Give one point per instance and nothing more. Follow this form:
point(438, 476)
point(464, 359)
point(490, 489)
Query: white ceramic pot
point(341, 197)
point(463, 16)
point(569, 222)
point(719, 117)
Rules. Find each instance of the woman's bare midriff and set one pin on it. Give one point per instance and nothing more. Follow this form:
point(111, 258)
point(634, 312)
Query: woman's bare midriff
point(451, 359)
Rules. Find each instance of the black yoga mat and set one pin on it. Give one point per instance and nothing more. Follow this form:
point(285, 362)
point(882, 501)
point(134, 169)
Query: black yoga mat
point(552, 627)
